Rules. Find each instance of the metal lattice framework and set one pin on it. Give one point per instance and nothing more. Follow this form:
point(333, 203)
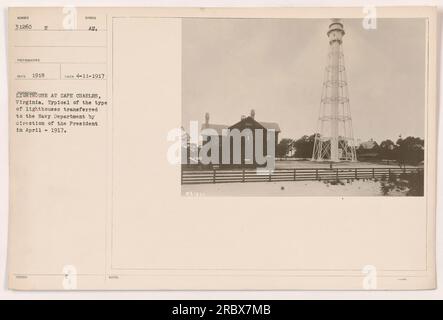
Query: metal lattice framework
point(335, 140)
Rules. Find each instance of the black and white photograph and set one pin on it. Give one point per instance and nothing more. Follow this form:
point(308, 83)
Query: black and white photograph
point(221, 152)
point(303, 107)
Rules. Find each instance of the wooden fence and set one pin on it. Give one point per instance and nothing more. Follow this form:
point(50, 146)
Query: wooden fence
point(295, 174)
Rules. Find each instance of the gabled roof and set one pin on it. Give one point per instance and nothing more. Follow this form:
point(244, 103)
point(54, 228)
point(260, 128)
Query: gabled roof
point(248, 122)
point(266, 125)
point(219, 127)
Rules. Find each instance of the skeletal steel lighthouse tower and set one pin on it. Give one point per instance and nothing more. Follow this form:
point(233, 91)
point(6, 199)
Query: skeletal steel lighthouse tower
point(335, 139)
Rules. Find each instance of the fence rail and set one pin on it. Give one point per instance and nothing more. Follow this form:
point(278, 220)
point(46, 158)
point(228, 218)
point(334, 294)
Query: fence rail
point(290, 174)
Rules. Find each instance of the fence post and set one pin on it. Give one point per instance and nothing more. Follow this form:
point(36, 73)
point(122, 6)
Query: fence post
point(181, 174)
point(356, 175)
point(373, 173)
point(243, 175)
point(316, 174)
point(295, 174)
point(336, 174)
point(213, 177)
point(270, 176)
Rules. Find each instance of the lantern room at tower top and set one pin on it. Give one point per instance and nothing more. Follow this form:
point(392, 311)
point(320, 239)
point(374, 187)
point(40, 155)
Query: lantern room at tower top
point(336, 31)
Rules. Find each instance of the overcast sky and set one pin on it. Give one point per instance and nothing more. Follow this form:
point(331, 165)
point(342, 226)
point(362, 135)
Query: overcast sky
point(276, 66)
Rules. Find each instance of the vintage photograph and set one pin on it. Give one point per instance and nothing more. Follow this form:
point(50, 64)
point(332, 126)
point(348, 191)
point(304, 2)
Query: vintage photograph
point(249, 149)
point(303, 107)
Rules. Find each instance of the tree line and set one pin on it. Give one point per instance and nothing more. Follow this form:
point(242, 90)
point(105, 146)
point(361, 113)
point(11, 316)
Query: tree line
point(408, 150)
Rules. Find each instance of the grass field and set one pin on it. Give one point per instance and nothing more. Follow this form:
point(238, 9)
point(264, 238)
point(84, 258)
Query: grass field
point(365, 183)
point(288, 188)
